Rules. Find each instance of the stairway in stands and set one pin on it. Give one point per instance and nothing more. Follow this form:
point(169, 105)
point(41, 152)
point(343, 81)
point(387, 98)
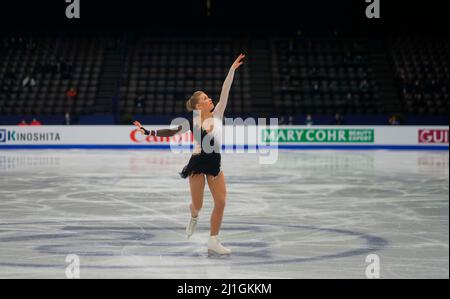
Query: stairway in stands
point(261, 76)
point(384, 76)
point(109, 78)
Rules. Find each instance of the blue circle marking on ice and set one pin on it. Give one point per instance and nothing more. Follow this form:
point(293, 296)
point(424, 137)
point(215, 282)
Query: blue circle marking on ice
point(119, 236)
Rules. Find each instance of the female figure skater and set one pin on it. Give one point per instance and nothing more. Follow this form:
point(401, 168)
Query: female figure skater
point(205, 163)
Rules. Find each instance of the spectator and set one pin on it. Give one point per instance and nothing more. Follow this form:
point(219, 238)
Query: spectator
point(290, 120)
point(35, 122)
point(338, 120)
point(139, 101)
point(336, 33)
point(58, 66)
point(72, 93)
point(17, 42)
point(316, 86)
point(309, 121)
point(358, 59)
point(67, 118)
point(349, 97)
point(30, 45)
point(23, 123)
point(71, 97)
point(29, 81)
point(348, 58)
point(364, 86)
point(394, 120)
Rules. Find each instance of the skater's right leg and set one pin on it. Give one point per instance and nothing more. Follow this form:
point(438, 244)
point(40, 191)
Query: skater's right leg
point(197, 186)
point(219, 192)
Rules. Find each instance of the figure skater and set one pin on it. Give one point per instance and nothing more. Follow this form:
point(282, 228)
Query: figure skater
point(205, 163)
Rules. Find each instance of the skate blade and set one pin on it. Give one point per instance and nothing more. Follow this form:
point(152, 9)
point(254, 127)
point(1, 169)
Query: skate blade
point(189, 234)
point(214, 255)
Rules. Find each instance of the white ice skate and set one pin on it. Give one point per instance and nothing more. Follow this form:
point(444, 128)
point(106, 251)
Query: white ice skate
point(190, 229)
point(215, 249)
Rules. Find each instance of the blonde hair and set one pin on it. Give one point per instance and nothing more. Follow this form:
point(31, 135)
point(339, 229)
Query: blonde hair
point(193, 101)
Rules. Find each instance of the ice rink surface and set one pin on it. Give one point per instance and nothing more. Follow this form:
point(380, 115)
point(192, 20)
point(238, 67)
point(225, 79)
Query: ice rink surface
point(313, 214)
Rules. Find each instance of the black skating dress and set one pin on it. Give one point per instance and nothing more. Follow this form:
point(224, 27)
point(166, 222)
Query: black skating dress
point(209, 162)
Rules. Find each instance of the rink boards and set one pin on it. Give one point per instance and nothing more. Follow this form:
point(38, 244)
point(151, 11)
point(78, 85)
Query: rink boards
point(247, 137)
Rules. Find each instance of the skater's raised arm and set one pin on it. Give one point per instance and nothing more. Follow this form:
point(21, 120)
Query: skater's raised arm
point(159, 133)
point(220, 107)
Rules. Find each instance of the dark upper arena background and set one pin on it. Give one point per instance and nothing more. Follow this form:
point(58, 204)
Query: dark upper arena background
point(142, 59)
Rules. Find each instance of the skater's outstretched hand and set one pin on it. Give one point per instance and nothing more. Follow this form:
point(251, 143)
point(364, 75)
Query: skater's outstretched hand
point(159, 133)
point(139, 126)
point(220, 107)
point(238, 62)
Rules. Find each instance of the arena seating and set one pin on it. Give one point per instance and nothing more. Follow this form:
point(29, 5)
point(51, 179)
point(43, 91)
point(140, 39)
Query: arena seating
point(55, 64)
point(323, 77)
point(162, 74)
point(319, 76)
point(422, 74)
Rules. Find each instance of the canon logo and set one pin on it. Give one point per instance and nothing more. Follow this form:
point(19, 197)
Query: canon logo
point(433, 136)
point(137, 137)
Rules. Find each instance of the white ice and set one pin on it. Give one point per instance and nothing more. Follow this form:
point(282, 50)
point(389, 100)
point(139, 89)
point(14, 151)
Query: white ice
point(313, 214)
